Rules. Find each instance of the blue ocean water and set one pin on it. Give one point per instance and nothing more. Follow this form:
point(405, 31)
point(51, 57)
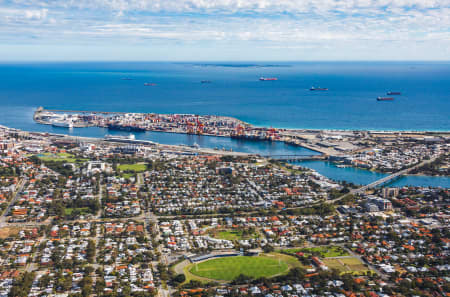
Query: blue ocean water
point(235, 90)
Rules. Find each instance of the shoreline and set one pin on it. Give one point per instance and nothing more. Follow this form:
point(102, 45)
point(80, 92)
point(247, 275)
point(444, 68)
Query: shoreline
point(259, 126)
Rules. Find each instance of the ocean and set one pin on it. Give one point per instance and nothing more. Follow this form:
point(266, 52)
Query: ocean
point(235, 90)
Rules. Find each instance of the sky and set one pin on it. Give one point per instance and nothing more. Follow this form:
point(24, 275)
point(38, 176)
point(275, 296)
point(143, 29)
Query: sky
point(224, 30)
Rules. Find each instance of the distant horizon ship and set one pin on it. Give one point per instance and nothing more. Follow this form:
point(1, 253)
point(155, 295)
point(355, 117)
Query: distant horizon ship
point(385, 98)
point(318, 89)
point(262, 78)
point(126, 78)
point(149, 84)
point(205, 81)
point(393, 93)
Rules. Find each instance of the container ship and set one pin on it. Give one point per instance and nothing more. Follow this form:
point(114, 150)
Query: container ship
point(149, 84)
point(205, 81)
point(128, 128)
point(393, 93)
point(385, 98)
point(318, 89)
point(267, 78)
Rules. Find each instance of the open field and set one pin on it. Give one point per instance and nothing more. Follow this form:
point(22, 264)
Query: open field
point(59, 157)
point(9, 231)
point(346, 265)
point(228, 268)
point(132, 167)
point(322, 251)
point(82, 210)
point(233, 235)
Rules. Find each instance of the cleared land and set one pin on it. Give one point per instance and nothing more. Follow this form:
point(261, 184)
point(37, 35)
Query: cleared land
point(346, 265)
point(228, 268)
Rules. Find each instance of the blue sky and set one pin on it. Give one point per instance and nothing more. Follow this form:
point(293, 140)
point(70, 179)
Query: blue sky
point(219, 30)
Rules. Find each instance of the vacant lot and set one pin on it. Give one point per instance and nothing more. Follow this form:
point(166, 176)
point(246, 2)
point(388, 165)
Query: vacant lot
point(352, 265)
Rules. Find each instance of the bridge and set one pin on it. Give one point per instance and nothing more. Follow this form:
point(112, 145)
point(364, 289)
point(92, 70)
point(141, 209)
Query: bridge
point(383, 180)
point(296, 157)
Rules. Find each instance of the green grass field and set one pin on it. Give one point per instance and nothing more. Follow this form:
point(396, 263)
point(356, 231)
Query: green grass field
point(59, 157)
point(233, 235)
point(83, 210)
point(132, 167)
point(323, 251)
point(229, 268)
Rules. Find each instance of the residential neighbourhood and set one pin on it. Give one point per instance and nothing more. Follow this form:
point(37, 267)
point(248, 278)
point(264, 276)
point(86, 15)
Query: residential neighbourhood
point(81, 218)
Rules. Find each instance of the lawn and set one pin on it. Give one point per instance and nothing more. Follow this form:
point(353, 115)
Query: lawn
point(129, 170)
point(323, 251)
point(232, 235)
point(229, 268)
point(83, 210)
point(59, 157)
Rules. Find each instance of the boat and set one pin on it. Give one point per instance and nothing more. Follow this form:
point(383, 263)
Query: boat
point(205, 81)
point(62, 124)
point(393, 93)
point(267, 78)
point(149, 84)
point(385, 98)
point(318, 89)
point(126, 78)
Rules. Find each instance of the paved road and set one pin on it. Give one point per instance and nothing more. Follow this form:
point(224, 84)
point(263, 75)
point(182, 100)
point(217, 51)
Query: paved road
point(19, 189)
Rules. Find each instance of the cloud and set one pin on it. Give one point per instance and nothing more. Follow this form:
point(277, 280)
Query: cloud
point(289, 24)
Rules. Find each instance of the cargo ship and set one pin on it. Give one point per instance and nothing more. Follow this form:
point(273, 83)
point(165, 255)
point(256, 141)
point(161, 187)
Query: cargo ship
point(149, 84)
point(267, 78)
point(318, 89)
point(128, 128)
point(393, 93)
point(385, 98)
point(205, 81)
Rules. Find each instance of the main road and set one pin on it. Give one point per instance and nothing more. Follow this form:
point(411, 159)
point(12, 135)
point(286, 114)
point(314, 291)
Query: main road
point(18, 190)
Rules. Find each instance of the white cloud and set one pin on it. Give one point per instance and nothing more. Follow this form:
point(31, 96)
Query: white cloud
point(289, 24)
